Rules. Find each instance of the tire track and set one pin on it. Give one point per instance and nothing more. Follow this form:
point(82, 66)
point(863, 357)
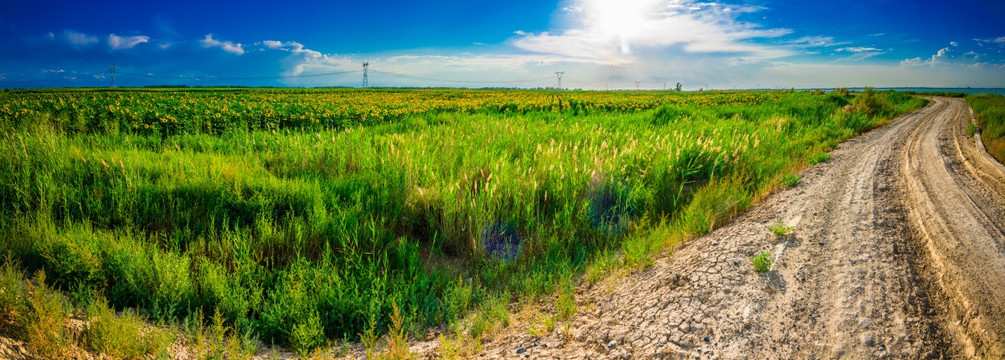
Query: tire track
point(957, 209)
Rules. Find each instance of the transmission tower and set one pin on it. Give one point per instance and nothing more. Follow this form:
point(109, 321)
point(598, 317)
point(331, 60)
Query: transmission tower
point(111, 70)
point(559, 74)
point(637, 84)
point(366, 66)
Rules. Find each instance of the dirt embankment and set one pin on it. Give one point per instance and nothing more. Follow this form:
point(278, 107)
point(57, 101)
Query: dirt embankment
point(897, 253)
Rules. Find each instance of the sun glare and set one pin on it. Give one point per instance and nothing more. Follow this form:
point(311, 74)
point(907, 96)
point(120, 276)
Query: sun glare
point(620, 19)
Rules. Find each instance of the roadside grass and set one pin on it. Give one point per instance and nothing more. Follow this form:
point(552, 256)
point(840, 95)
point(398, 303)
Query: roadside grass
point(302, 234)
point(790, 180)
point(990, 112)
point(818, 158)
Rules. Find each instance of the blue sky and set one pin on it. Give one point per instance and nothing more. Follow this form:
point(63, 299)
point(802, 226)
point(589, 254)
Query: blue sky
point(598, 43)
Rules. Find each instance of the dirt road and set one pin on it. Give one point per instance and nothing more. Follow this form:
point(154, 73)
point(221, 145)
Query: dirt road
point(898, 251)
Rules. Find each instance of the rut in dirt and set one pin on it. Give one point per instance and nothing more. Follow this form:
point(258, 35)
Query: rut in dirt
point(897, 253)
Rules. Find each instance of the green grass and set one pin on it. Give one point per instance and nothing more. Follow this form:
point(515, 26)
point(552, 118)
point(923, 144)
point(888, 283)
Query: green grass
point(819, 158)
point(761, 262)
point(790, 180)
point(299, 232)
point(990, 111)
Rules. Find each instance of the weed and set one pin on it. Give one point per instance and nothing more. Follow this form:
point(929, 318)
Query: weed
point(397, 341)
point(971, 129)
point(125, 336)
point(44, 320)
point(308, 335)
point(458, 346)
point(790, 180)
point(565, 301)
point(600, 267)
point(761, 262)
point(780, 229)
point(369, 338)
point(543, 326)
point(818, 158)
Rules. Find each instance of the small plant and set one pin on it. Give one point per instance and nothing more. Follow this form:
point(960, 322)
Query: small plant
point(544, 326)
point(369, 338)
point(397, 340)
point(761, 262)
point(600, 267)
point(124, 336)
point(565, 303)
point(790, 180)
point(971, 129)
point(308, 335)
point(780, 229)
point(819, 158)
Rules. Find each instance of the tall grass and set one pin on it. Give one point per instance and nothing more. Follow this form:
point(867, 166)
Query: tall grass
point(990, 111)
point(311, 233)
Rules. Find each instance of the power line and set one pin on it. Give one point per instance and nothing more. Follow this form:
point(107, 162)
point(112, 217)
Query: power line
point(111, 70)
point(559, 74)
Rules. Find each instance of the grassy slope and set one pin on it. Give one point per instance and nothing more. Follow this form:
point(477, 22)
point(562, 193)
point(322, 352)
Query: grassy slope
point(305, 234)
point(990, 110)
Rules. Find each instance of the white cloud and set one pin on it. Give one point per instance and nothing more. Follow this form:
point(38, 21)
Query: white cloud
point(80, 39)
point(911, 62)
point(996, 41)
point(293, 47)
point(816, 41)
point(572, 9)
point(954, 44)
point(608, 32)
point(230, 47)
point(940, 57)
point(860, 53)
point(126, 42)
point(859, 49)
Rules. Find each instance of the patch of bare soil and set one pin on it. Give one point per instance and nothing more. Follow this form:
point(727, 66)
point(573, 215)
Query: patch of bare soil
point(13, 349)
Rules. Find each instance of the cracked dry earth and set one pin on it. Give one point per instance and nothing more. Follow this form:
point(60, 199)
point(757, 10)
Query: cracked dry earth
point(897, 253)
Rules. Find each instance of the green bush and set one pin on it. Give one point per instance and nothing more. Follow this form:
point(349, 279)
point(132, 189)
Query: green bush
point(307, 335)
point(872, 103)
point(125, 336)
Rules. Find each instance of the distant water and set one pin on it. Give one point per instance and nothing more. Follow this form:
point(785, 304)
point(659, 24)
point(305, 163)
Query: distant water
point(997, 91)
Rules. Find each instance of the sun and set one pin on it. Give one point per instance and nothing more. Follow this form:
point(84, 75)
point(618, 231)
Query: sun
point(623, 20)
